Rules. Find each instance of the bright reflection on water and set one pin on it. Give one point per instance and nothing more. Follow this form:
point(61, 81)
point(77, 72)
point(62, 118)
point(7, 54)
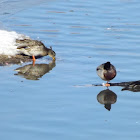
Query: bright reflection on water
point(84, 34)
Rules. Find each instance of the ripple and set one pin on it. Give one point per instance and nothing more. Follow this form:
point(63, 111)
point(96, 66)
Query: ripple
point(83, 34)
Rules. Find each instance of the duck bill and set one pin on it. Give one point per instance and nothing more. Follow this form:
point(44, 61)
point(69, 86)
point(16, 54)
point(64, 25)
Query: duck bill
point(54, 58)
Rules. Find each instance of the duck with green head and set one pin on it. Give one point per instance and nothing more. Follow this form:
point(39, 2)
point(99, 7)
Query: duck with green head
point(106, 72)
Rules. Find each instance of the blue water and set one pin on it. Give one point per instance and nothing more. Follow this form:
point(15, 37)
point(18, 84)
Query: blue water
point(84, 34)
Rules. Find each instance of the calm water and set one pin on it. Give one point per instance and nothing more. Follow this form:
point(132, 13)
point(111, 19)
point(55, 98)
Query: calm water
point(84, 34)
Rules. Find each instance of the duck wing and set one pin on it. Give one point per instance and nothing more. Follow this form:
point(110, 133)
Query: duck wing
point(23, 47)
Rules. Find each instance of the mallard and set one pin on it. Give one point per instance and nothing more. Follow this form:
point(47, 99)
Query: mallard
point(106, 71)
point(34, 48)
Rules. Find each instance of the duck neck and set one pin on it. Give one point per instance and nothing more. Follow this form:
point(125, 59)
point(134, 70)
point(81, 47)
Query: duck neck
point(46, 51)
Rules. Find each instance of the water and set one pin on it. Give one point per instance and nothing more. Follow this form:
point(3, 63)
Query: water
point(83, 34)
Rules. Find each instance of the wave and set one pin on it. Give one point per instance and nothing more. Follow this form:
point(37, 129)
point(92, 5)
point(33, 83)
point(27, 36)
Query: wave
point(9, 7)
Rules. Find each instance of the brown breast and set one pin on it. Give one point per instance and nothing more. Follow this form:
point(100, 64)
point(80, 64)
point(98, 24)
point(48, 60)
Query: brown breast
point(109, 75)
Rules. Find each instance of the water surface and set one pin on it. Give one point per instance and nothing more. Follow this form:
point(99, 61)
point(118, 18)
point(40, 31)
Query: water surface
point(84, 34)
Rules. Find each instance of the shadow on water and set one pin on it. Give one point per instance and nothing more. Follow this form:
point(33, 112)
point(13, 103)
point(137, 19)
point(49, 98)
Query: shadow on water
point(133, 86)
point(35, 72)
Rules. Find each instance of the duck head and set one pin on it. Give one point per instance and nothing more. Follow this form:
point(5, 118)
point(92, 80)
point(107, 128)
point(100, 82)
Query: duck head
point(51, 53)
point(107, 65)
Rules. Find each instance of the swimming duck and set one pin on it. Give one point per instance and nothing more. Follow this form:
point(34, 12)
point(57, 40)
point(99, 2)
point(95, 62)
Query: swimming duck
point(106, 71)
point(34, 48)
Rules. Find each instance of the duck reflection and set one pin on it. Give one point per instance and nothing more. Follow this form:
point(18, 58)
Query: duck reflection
point(35, 72)
point(107, 97)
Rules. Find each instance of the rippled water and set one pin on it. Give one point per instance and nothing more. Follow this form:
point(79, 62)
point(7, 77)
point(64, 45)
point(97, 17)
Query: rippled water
point(84, 34)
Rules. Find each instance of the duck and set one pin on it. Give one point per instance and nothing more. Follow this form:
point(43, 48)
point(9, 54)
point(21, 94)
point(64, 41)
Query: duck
point(106, 72)
point(34, 48)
